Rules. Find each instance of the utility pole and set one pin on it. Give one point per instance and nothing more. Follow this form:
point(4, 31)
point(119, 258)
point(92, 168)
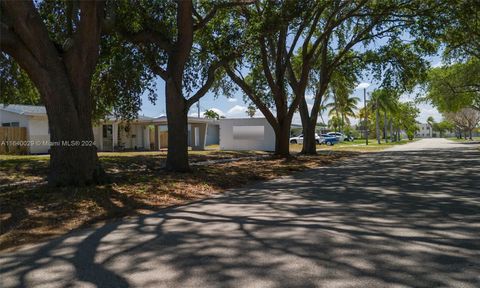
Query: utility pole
point(365, 126)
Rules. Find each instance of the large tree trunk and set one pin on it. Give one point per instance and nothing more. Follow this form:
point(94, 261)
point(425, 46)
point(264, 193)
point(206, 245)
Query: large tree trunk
point(63, 79)
point(68, 103)
point(73, 157)
point(308, 123)
point(309, 141)
point(282, 139)
point(177, 108)
point(177, 115)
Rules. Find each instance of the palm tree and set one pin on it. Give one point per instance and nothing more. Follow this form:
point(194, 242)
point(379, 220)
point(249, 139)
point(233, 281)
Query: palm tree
point(348, 105)
point(343, 105)
point(334, 122)
point(431, 122)
point(343, 108)
point(385, 100)
point(211, 114)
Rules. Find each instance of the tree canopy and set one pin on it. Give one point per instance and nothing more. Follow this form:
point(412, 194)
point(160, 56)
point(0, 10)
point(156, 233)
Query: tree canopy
point(454, 87)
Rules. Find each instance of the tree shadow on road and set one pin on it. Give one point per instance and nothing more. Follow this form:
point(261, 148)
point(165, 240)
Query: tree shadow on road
point(393, 219)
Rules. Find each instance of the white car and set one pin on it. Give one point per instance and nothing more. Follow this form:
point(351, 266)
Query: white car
point(299, 139)
point(340, 136)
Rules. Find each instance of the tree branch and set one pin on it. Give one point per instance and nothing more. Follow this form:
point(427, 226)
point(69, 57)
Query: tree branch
point(265, 63)
point(83, 55)
point(148, 36)
point(208, 83)
point(158, 70)
point(251, 94)
point(9, 41)
point(202, 21)
point(29, 30)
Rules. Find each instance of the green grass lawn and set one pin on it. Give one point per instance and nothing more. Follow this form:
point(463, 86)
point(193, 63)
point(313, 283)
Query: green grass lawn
point(354, 146)
point(463, 139)
point(360, 145)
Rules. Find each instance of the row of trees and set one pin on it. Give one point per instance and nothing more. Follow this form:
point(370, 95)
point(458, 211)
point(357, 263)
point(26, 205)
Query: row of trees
point(387, 116)
point(89, 58)
point(454, 88)
point(455, 91)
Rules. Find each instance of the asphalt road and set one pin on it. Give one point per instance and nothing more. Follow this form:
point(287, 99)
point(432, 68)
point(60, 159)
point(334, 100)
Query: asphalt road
point(408, 217)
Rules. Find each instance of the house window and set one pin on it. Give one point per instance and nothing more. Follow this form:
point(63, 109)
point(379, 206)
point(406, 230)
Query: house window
point(107, 131)
point(11, 124)
point(248, 132)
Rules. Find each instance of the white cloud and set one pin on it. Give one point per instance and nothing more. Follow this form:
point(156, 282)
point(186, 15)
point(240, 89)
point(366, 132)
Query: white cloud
point(237, 111)
point(218, 111)
point(438, 64)
point(231, 100)
point(427, 110)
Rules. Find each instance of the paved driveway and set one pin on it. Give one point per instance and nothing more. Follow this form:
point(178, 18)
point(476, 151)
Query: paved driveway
point(393, 219)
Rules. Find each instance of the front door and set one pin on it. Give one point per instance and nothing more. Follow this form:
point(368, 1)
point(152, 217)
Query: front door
point(107, 138)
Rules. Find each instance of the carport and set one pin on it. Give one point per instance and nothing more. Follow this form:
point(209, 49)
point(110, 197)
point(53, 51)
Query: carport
point(197, 132)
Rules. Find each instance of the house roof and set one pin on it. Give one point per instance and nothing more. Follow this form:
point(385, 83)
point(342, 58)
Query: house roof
point(140, 118)
point(29, 110)
point(164, 120)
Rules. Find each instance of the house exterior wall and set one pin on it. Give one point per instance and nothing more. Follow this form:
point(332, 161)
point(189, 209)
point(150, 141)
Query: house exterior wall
point(97, 137)
point(233, 136)
point(39, 133)
point(37, 130)
point(424, 131)
point(7, 117)
point(134, 138)
point(213, 134)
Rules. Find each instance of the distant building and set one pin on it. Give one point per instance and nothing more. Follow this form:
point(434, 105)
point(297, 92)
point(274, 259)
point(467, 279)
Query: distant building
point(424, 131)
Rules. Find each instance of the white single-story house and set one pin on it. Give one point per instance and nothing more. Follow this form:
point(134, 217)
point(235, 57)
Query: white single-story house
point(115, 135)
point(146, 133)
point(246, 134)
point(109, 134)
point(33, 118)
point(201, 132)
